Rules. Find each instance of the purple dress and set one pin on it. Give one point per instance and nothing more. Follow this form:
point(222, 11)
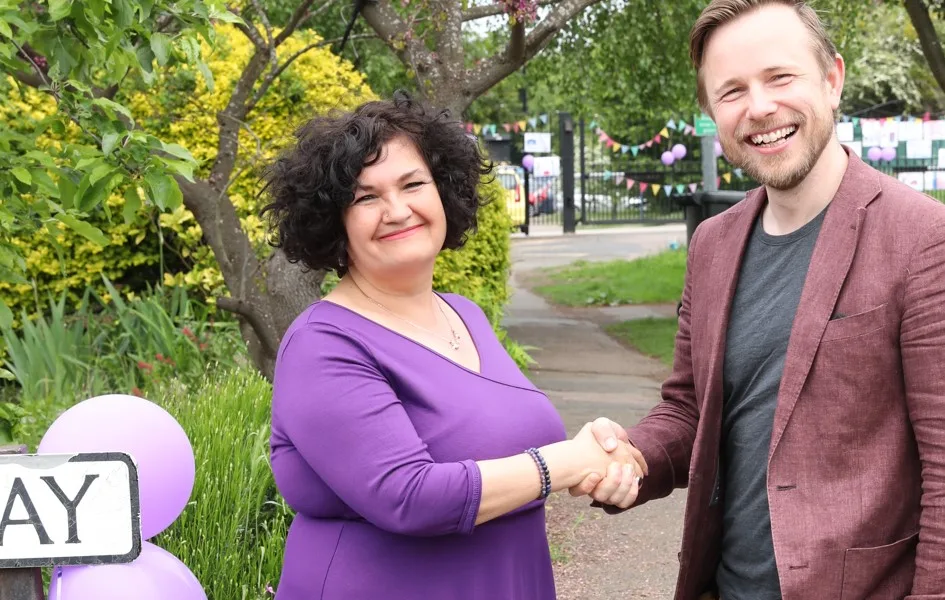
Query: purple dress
point(374, 443)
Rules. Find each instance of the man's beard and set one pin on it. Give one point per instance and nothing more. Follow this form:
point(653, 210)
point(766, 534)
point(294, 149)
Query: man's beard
point(776, 171)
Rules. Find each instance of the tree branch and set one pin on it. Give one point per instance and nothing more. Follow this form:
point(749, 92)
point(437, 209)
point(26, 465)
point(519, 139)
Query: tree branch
point(253, 35)
point(301, 14)
point(273, 75)
point(393, 31)
point(245, 310)
point(488, 73)
point(928, 39)
point(273, 59)
point(490, 10)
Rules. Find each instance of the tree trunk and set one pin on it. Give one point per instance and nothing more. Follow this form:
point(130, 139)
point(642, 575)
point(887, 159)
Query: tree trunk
point(265, 295)
point(931, 48)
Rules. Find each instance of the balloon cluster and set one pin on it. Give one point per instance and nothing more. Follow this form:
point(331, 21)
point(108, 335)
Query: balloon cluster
point(876, 154)
point(528, 161)
point(670, 156)
point(166, 469)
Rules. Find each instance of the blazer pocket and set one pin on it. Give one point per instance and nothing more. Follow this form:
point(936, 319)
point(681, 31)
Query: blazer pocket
point(881, 572)
point(855, 325)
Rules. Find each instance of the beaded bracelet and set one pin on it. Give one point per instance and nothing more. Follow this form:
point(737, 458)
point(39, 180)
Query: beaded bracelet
point(543, 472)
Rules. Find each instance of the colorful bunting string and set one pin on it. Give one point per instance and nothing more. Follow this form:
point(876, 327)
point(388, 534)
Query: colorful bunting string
point(669, 189)
point(664, 133)
point(511, 126)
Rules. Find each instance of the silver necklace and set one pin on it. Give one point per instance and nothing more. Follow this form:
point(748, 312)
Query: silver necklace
point(453, 342)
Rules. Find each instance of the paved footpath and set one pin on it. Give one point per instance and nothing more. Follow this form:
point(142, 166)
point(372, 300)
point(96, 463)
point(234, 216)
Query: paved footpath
point(587, 374)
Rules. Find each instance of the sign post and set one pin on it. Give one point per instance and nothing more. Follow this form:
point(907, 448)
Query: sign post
point(64, 509)
point(706, 129)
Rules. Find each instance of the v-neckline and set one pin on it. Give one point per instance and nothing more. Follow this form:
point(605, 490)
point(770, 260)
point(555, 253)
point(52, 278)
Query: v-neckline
point(469, 330)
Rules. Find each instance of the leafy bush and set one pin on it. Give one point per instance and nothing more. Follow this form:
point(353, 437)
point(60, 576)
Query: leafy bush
point(232, 533)
point(148, 246)
point(107, 345)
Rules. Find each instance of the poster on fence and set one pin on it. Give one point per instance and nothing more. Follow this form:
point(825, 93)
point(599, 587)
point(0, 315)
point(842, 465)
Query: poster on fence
point(845, 132)
point(916, 149)
point(537, 142)
point(914, 179)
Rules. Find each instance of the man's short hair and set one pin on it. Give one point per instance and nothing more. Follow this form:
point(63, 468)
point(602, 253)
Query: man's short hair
point(720, 12)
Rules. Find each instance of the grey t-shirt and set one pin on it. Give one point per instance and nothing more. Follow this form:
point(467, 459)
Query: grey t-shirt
point(769, 289)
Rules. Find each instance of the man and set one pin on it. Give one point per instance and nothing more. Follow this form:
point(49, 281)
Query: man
point(806, 407)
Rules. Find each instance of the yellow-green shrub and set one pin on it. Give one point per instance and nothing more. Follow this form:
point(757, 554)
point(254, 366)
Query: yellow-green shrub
point(167, 247)
point(180, 108)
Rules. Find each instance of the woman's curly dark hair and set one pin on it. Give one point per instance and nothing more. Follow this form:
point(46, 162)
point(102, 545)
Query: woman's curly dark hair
point(312, 183)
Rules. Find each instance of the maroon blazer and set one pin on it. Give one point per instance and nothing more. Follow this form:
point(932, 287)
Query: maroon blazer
point(856, 466)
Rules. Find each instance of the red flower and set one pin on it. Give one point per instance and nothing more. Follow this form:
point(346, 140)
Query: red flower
point(186, 331)
point(203, 346)
point(137, 392)
point(144, 366)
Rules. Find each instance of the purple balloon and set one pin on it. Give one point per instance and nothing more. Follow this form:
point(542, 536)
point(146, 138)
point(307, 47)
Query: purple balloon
point(667, 158)
point(718, 148)
point(528, 161)
point(145, 431)
point(889, 154)
point(874, 153)
point(679, 151)
point(155, 575)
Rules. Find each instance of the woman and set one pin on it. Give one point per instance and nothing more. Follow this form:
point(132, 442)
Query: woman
point(415, 453)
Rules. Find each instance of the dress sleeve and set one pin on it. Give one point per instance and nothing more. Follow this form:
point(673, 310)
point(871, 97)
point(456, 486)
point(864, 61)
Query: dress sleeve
point(341, 414)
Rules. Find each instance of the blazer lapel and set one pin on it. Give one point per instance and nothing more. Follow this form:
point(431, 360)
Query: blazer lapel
point(829, 265)
point(737, 224)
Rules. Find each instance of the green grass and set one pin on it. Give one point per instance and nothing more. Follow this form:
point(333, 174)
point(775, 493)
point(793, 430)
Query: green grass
point(232, 533)
point(648, 280)
point(652, 337)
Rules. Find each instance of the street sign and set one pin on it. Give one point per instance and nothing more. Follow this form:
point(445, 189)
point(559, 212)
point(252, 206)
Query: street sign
point(68, 509)
point(704, 125)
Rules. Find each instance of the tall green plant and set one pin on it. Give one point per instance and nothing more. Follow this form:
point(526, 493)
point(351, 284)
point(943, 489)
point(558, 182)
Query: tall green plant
point(232, 533)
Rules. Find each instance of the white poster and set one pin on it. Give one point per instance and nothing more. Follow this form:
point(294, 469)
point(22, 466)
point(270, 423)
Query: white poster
point(889, 134)
point(872, 133)
point(845, 132)
point(914, 179)
point(547, 166)
point(941, 158)
point(855, 147)
point(537, 142)
point(934, 130)
point(919, 149)
point(930, 180)
point(910, 130)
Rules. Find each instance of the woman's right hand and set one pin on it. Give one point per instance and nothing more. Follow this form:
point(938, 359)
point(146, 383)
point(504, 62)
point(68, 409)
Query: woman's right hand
point(619, 466)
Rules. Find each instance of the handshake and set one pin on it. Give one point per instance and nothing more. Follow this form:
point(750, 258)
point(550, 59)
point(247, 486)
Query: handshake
point(612, 468)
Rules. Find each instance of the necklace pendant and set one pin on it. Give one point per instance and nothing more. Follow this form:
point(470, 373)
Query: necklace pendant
point(454, 344)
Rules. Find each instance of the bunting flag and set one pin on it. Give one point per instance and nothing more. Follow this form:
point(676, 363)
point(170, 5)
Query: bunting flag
point(618, 178)
point(533, 122)
point(718, 182)
point(616, 147)
point(727, 177)
point(521, 125)
point(507, 127)
point(643, 187)
point(679, 188)
point(671, 124)
point(693, 187)
point(630, 183)
point(682, 126)
point(544, 118)
point(668, 190)
point(664, 132)
point(738, 173)
point(634, 149)
point(656, 189)
point(658, 138)
point(477, 129)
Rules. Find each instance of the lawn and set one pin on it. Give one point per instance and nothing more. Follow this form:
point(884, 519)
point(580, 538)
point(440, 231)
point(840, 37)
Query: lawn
point(652, 337)
point(648, 280)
